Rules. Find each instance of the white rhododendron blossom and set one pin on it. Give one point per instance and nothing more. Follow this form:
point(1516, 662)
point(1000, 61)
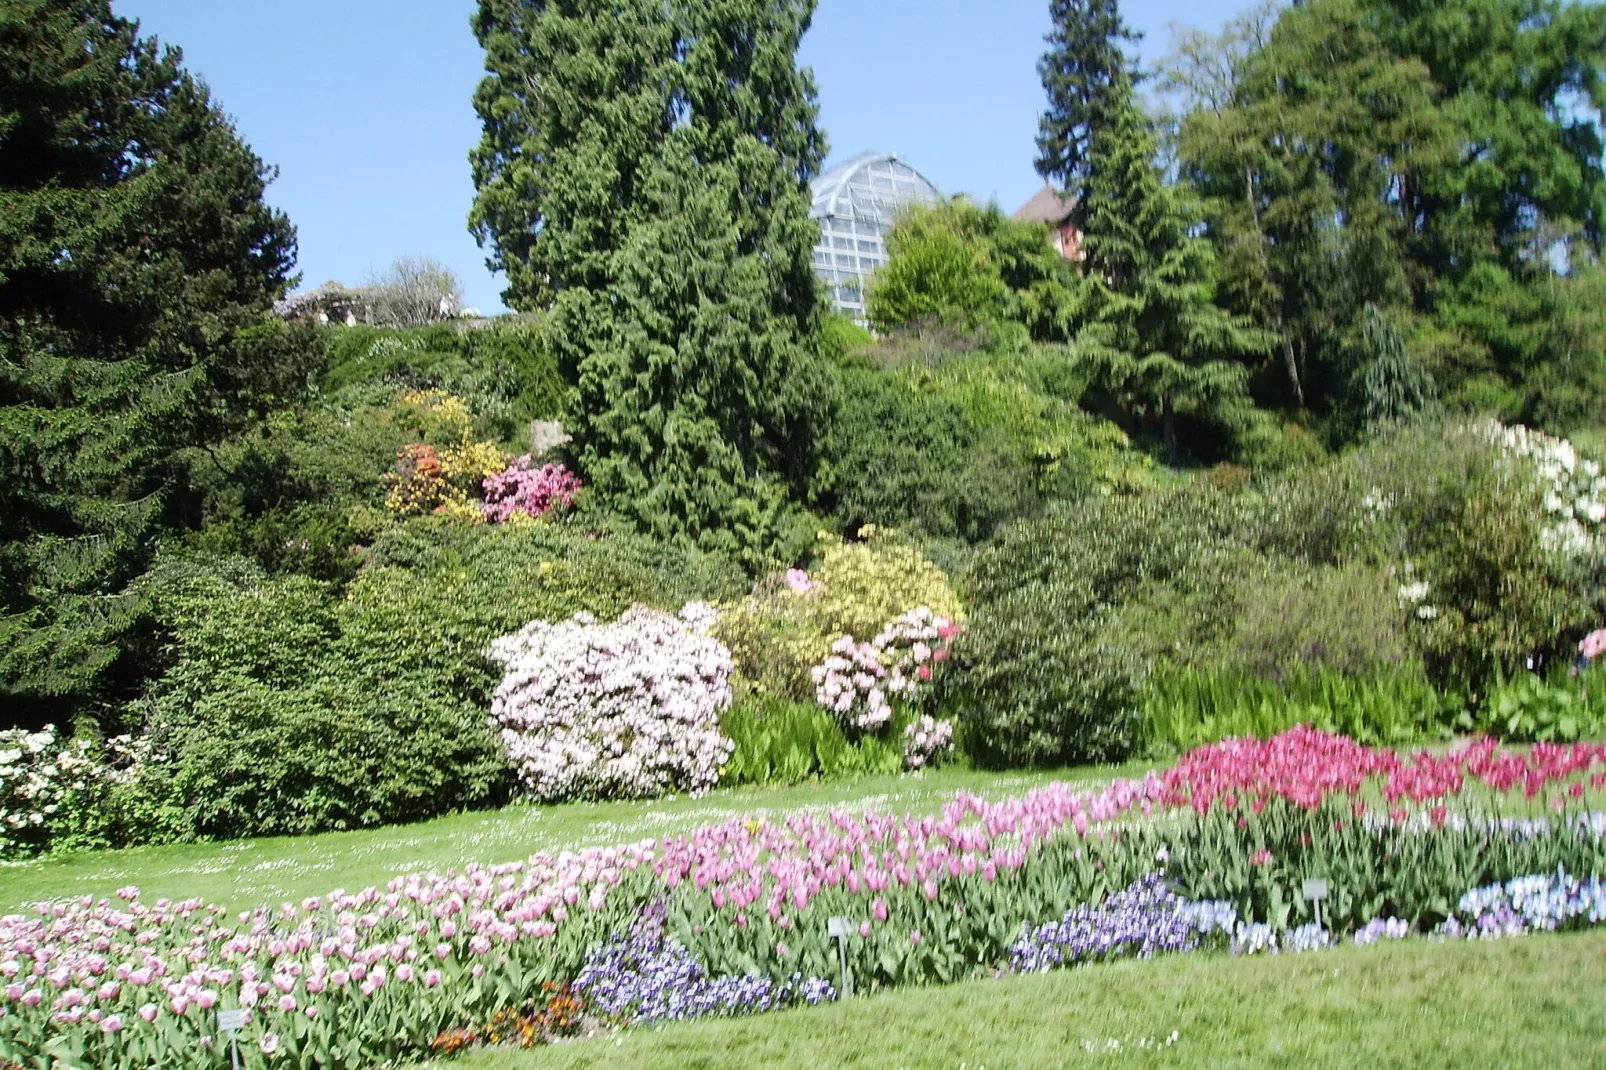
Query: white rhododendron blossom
point(627, 709)
point(44, 778)
point(858, 681)
point(1573, 489)
point(925, 739)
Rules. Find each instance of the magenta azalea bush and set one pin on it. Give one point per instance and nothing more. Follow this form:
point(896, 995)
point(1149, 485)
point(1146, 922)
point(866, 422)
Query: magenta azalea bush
point(627, 709)
point(525, 490)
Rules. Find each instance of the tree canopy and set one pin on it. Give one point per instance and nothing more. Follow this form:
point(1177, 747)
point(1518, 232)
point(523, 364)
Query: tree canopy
point(137, 262)
point(644, 177)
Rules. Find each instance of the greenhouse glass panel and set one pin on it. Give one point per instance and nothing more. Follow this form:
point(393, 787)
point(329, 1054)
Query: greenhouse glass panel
point(855, 204)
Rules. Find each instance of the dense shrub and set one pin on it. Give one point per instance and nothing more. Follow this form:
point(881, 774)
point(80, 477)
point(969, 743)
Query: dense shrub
point(626, 709)
point(56, 793)
point(293, 705)
point(1040, 675)
point(1434, 560)
point(524, 492)
point(861, 681)
point(504, 372)
point(1489, 538)
point(336, 752)
point(787, 624)
point(958, 449)
point(436, 594)
point(267, 723)
point(1035, 684)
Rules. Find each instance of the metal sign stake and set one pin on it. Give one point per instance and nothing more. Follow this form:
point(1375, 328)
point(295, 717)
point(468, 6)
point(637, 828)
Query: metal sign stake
point(838, 929)
point(1314, 889)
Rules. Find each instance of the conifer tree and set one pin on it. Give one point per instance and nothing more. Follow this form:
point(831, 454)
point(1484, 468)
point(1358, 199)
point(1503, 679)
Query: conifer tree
point(644, 177)
point(138, 263)
point(1160, 339)
point(1087, 77)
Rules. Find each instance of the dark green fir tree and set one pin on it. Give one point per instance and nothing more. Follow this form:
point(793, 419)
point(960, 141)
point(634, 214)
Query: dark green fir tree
point(644, 179)
point(1160, 339)
point(138, 263)
point(1087, 76)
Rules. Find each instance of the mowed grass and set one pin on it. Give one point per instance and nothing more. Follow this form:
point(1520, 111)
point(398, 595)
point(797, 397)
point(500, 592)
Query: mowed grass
point(1536, 1001)
point(246, 873)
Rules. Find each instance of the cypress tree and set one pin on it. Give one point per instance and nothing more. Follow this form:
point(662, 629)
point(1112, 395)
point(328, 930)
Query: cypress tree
point(644, 177)
point(137, 264)
point(1086, 76)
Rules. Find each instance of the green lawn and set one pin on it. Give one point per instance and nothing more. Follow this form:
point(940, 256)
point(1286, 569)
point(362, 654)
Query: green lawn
point(1527, 1002)
point(243, 874)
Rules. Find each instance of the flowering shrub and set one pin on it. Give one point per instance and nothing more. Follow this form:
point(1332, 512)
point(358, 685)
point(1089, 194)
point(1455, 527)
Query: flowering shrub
point(925, 740)
point(54, 792)
point(431, 480)
point(436, 415)
point(867, 583)
point(522, 490)
point(627, 709)
point(1572, 488)
point(789, 623)
point(858, 681)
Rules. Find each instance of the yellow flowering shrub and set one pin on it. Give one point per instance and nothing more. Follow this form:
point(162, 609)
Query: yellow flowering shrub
point(786, 626)
point(868, 583)
point(445, 481)
point(436, 416)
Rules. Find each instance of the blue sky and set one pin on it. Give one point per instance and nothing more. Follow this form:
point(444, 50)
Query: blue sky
point(366, 105)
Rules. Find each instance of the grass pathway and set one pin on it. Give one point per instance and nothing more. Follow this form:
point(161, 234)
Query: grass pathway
point(1537, 1001)
point(246, 873)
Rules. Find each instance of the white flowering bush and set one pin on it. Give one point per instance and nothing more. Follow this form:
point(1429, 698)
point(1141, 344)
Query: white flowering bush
point(925, 740)
point(1573, 489)
point(54, 791)
point(859, 680)
point(627, 709)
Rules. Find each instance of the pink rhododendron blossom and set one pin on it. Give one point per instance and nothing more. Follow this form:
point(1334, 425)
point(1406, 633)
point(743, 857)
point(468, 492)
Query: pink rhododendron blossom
point(858, 680)
point(524, 490)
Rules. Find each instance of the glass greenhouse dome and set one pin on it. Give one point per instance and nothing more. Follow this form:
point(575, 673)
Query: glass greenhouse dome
point(855, 203)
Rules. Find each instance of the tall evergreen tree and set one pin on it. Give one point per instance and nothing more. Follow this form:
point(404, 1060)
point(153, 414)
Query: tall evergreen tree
point(1087, 77)
point(137, 264)
point(1161, 340)
point(644, 176)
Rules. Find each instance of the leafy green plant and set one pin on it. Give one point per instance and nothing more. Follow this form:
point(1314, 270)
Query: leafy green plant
point(1531, 709)
point(783, 742)
point(1190, 707)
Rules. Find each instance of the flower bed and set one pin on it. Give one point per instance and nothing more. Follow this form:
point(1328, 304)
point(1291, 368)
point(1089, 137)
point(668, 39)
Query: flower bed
point(735, 913)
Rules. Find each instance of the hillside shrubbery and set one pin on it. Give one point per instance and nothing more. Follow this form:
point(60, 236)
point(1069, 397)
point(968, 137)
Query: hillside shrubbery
point(1443, 554)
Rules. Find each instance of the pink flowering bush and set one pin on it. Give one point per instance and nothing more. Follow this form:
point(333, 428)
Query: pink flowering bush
point(860, 680)
point(522, 490)
point(627, 709)
point(926, 740)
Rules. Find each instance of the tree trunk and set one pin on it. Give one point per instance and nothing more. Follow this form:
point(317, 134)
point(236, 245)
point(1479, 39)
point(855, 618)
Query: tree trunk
point(1169, 424)
point(1293, 365)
